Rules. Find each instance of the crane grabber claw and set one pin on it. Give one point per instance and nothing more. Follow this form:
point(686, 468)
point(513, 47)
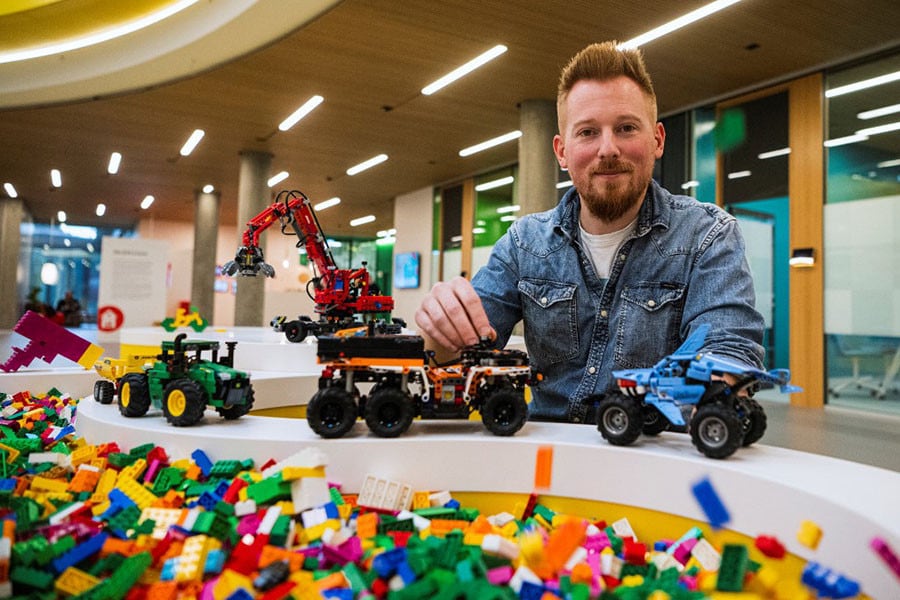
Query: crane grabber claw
point(248, 262)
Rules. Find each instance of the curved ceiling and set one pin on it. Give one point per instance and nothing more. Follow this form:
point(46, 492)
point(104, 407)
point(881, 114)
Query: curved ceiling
point(237, 68)
point(173, 39)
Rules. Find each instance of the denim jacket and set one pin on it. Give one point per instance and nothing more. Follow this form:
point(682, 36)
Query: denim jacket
point(684, 265)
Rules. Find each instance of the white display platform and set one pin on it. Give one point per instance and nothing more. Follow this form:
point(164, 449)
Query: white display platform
point(767, 490)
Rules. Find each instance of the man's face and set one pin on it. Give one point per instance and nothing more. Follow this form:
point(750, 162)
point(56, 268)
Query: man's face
point(609, 140)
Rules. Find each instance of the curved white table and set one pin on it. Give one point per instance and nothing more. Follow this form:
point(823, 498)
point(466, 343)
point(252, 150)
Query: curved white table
point(767, 490)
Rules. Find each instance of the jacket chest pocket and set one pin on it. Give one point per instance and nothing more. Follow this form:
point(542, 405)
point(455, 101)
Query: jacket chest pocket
point(648, 324)
point(551, 320)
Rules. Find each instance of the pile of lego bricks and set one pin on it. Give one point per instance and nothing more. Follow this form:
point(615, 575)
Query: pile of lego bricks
point(97, 522)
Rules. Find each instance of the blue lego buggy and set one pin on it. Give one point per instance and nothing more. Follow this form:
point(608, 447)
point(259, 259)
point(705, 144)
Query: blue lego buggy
point(651, 400)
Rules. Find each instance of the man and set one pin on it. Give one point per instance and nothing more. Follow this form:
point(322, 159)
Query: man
point(621, 271)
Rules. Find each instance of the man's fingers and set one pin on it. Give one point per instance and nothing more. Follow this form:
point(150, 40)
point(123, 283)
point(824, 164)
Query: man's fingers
point(474, 309)
point(430, 328)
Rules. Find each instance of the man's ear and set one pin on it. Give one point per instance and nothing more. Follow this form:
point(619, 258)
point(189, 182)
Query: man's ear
point(559, 149)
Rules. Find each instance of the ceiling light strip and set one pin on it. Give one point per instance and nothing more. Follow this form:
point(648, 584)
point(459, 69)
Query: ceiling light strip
point(464, 70)
point(879, 112)
point(489, 185)
point(98, 37)
point(502, 139)
point(675, 24)
point(862, 85)
point(115, 160)
point(192, 142)
point(301, 112)
point(368, 164)
point(362, 220)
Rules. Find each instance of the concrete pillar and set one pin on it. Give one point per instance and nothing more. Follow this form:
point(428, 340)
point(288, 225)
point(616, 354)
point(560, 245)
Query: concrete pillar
point(206, 232)
point(12, 211)
point(537, 163)
point(253, 196)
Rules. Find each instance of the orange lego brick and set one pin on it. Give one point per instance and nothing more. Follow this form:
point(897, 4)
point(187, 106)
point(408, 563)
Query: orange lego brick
point(543, 468)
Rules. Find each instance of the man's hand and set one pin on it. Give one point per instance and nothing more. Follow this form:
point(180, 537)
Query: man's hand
point(452, 315)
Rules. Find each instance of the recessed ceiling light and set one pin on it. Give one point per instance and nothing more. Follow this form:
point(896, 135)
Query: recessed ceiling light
point(56, 178)
point(739, 174)
point(147, 201)
point(773, 153)
point(368, 164)
point(847, 139)
point(277, 178)
point(10, 190)
point(192, 142)
point(115, 159)
point(862, 85)
point(101, 209)
point(362, 220)
point(675, 24)
point(301, 112)
point(489, 185)
point(327, 203)
point(509, 209)
point(61, 216)
point(879, 112)
point(467, 68)
point(500, 139)
point(208, 188)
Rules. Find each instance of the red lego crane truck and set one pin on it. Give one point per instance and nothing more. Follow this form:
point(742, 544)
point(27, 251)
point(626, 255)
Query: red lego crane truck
point(339, 294)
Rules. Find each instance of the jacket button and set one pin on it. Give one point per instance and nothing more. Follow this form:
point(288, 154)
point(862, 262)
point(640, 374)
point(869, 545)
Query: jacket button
point(651, 303)
point(592, 370)
point(544, 301)
point(603, 313)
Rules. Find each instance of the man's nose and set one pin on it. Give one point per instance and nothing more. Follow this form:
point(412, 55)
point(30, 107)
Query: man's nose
point(606, 146)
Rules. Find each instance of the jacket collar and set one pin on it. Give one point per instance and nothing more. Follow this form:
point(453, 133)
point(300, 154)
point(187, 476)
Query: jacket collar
point(655, 211)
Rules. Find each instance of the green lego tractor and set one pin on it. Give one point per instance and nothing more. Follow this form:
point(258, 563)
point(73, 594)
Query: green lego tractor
point(182, 383)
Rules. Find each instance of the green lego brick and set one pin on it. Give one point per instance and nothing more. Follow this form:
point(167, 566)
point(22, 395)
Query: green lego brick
point(733, 567)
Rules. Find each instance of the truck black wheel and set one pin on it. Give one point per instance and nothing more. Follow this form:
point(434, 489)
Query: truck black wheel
point(184, 402)
point(236, 411)
point(619, 419)
point(504, 412)
point(389, 412)
point(331, 412)
point(753, 421)
point(134, 395)
point(104, 391)
point(716, 430)
point(654, 421)
point(295, 331)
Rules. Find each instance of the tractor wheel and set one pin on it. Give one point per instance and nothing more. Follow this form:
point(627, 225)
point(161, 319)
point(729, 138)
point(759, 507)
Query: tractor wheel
point(184, 402)
point(104, 391)
point(716, 430)
point(619, 419)
point(389, 412)
point(236, 411)
point(753, 421)
point(654, 421)
point(504, 412)
point(331, 412)
point(134, 395)
point(295, 331)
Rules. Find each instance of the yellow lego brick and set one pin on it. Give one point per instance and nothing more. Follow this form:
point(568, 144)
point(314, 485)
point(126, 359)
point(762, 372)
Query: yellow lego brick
point(104, 486)
point(73, 582)
point(230, 582)
point(43, 484)
point(310, 534)
point(193, 558)
point(345, 510)
point(135, 469)
point(84, 454)
point(810, 534)
point(292, 473)
point(659, 595)
point(286, 506)
point(135, 491)
point(11, 453)
point(101, 462)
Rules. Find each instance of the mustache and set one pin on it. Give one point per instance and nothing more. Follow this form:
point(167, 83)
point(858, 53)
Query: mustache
point(607, 167)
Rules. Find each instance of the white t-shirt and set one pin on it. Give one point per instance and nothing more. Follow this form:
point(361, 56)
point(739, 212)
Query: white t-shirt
point(601, 248)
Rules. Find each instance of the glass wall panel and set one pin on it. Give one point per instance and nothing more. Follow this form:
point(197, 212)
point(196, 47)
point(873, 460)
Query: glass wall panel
point(862, 246)
point(753, 140)
point(495, 209)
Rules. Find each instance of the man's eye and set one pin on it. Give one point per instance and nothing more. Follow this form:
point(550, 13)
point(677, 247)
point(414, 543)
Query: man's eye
point(628, 128)
point(586, 133)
